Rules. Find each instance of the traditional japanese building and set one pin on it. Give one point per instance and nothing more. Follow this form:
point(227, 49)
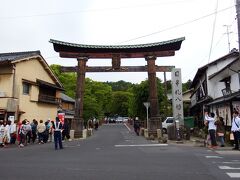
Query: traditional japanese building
point(28, 87)
point(216, 87)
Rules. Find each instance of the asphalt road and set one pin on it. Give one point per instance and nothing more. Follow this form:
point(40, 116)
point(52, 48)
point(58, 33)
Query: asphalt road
point(115, 153)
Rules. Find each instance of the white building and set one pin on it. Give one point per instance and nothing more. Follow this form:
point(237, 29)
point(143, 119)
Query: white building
point(217, 88)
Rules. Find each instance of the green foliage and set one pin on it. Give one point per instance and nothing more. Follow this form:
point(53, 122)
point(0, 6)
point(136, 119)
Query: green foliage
point(186, 86)
point(120, 85)
point(120, 103)
point(68, 80)
point(141, 95)
point(100, 94)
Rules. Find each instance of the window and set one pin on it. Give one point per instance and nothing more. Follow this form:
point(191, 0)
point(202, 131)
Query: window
point(170, 120)
point(26, 88)
point(227, 91)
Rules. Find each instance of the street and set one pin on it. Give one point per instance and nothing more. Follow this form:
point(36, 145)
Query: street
point(115, 153)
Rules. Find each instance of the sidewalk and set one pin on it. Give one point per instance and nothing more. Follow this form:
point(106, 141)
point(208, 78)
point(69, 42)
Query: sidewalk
point(195, 142)
point(199, 142)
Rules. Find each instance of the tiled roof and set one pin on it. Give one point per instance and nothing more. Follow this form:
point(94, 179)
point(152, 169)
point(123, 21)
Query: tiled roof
point(66, 98)
point(201, 70)
point(116, 46)
point(17, 55)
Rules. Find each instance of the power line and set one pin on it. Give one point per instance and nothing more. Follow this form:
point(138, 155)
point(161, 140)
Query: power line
point(176, 26)
point(213, 31)
point(93, 10)
point(205, 57)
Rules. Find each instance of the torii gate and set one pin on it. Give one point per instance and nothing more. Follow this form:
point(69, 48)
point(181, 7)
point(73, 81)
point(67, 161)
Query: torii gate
point(148, 51)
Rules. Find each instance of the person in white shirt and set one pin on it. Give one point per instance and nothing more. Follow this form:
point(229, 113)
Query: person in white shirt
point(236, 129)
point(13, 132)
point(211, 128)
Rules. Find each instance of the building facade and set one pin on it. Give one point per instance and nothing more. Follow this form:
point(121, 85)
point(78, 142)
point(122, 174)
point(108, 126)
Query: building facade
point(28, 87)
point(216, 88)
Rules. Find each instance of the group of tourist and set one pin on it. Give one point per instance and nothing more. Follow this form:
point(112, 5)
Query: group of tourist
point(216, 129)
point(26, 133)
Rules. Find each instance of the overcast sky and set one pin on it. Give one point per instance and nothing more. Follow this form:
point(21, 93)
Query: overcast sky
point(28, 25)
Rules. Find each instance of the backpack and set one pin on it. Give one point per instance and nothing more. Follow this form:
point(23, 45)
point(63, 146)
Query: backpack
point(23, 129)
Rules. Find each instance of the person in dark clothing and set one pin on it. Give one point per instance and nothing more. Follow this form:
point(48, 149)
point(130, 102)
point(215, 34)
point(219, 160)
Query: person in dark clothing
point(66, 130)
point(136, 126)
point(57, 128)
point(46, 132)
point(220, 130)
point(34, 130)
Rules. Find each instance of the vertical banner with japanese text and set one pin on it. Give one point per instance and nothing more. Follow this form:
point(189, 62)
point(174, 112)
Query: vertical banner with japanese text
point(177, 99)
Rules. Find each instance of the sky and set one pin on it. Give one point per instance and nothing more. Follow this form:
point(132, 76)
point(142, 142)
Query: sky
point(28, 25)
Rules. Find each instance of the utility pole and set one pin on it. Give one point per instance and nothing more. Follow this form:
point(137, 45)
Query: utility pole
point(238, 21)
point(228, 26)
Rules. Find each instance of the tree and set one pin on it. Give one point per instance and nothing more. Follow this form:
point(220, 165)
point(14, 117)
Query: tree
point(120, 85)
point(186, 86)
point(68, 80)
point(120, 103)
point(141, 94)
point(99, 96)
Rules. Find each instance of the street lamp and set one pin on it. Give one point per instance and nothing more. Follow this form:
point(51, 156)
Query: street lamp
point(147, 105)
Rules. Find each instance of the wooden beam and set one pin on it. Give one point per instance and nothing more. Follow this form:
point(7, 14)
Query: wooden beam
point(122, 54)
point(122, 69)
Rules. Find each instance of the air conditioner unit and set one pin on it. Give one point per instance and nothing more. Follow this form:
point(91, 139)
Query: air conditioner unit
point(2, 94)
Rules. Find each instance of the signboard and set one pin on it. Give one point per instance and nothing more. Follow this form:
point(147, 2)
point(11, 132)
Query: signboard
point(177, 99)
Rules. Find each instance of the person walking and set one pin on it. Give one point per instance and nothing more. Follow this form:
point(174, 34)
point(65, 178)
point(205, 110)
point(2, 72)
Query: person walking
point(22, 133)
point(13, 132)
point(211, 128)
point(236, 129)
point(57, 132)
point(136, 126)
point(220, 130)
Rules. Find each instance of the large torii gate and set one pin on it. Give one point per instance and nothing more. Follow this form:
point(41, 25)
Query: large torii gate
point(148, 51)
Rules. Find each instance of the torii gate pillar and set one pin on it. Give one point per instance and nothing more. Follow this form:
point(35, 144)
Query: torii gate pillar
point(77, 123)
point(155, 120)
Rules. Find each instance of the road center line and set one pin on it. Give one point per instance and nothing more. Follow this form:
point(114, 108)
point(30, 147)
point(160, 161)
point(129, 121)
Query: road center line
point(140, 145)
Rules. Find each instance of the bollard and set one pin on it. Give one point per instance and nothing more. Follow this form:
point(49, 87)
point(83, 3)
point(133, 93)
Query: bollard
point(72, 134)
point(84, 133)
point(146, 133)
